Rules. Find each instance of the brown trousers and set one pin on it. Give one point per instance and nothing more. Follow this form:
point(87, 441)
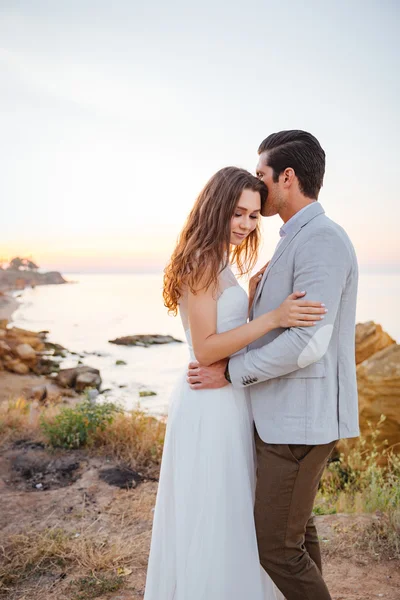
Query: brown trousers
point(287, 483)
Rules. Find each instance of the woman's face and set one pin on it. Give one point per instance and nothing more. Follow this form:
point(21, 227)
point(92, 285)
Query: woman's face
point(245, 217)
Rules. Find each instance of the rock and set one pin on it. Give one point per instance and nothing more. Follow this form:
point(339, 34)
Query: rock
point(87, 380)
point(4, 348)
point(46, 366)
point(3, 333)
point(69, 378)
point(120, 362)
point(23, 336)
point(3, 323)
point(144, 340)
point(379, 394)
point(15, 365)
point(370, 338)
point(26, 352)
point(57, 349)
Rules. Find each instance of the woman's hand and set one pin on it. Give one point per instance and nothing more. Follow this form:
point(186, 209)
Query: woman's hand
point(253, 283)
point(296, 312)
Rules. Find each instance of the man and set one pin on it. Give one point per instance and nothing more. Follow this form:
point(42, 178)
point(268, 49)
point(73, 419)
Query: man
point(302, 381)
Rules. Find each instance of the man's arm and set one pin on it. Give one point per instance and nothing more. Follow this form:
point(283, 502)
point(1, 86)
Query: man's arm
point(322, 265)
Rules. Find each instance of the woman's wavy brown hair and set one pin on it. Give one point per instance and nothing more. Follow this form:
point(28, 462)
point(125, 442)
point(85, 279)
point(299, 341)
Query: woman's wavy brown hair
point(203, 247)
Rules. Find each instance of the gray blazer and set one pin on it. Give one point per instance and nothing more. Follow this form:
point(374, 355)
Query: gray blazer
point(302, 381)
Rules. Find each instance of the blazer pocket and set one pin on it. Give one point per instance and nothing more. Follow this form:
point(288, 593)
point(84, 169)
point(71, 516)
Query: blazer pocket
point(312, 371)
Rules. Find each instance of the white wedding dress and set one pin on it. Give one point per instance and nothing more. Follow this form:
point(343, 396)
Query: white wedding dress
point(204, 543)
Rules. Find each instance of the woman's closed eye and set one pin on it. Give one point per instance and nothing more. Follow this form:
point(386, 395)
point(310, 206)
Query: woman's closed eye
point(251, 216)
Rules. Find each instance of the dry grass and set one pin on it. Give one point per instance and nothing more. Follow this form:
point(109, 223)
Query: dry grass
point(358, 482)
point(377, 537)
point(21, 419)
point(134, 439)
point(130, 509)
point(100, 557)
point(55, 551)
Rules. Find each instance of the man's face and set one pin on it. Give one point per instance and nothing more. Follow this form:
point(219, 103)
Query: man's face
point(275, 199)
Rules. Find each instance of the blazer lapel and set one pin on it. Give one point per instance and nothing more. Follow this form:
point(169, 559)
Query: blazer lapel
point(314, 211)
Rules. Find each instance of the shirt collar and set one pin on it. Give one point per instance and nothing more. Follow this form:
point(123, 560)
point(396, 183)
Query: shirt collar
point(290, 225)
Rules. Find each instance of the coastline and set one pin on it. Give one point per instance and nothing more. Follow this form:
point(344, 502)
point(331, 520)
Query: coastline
point(12, 280)
point(12, 384)
point(8, 305)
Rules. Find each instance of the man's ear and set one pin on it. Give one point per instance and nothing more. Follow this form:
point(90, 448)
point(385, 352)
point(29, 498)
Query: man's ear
point(287, 177)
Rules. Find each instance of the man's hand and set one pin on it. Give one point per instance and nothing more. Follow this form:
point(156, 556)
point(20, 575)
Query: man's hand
point(207, 378)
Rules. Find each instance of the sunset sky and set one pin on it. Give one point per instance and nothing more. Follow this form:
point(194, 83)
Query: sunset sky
point(113, 115)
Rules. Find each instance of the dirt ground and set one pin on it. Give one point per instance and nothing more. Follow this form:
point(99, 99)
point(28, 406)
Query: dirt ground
point(13, 386)
point(76, 493)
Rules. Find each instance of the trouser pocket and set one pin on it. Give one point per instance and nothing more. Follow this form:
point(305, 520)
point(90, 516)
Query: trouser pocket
point(299, 451)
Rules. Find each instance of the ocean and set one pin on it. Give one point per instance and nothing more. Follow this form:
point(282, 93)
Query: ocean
point(83, 316)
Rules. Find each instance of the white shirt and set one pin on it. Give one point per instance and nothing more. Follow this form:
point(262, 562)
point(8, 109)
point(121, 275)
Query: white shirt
point(290, 226)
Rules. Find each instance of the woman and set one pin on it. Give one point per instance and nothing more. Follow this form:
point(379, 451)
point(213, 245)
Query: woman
point(204, 543)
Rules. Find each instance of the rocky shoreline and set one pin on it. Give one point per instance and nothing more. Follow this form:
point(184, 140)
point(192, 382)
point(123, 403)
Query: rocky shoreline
point(16, 279)
point(31, 355)
point(31, 366)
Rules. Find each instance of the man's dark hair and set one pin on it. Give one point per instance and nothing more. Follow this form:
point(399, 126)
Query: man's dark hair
point(302, 152)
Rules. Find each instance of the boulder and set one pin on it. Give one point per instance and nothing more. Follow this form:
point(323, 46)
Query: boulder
point(4, 348)
point(379, 394)
point(144, 340)
point(46, 366)
point(66, 377)
point(26, 352)
point(15, 365)
point(23, 336)
point(370, 339)
point(87, 380)
point(69, 378)
point(3, 323)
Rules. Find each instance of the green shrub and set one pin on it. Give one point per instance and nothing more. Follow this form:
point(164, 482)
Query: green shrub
point(74, 427)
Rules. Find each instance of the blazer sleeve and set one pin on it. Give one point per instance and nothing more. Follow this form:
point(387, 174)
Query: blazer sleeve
point(322, 265)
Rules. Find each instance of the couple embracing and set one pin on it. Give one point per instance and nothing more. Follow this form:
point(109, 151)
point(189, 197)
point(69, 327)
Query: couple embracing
point(253, 422)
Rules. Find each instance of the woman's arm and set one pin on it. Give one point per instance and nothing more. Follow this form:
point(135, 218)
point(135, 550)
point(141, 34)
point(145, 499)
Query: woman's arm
point(210, 346)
